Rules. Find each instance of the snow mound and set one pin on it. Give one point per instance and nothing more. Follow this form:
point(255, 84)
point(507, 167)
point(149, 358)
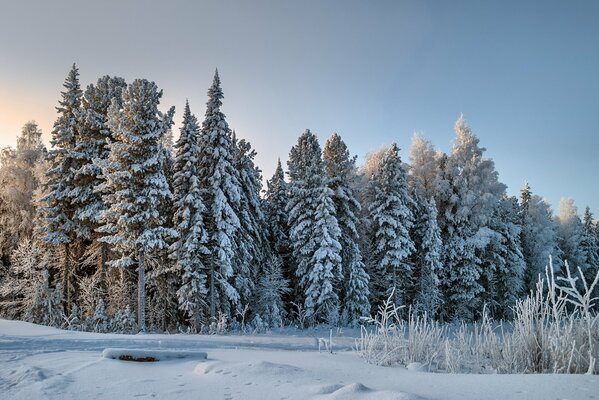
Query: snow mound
point(417, 367)
point(359, 391)
point(23, 376)
point(151, 354)
point(256, 368)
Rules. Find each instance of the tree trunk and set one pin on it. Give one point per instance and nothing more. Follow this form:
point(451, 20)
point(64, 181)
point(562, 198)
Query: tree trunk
point(103, 272)
point(141, 292)
point(66, 287)
point(212, 295)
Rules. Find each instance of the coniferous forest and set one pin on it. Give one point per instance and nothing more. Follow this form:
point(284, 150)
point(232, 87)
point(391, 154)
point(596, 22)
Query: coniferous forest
point(118, 228)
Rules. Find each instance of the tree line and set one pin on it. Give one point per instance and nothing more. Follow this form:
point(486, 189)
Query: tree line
point(117, 227)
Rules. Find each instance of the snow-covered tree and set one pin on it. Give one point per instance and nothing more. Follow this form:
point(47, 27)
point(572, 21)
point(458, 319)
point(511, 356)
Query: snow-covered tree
point(427, 259)
point(340, 170)
point(391, 219)
point(135, 186)
point(91, 149)
point(538, 238)
point(219, 180)
point(271, 288)
point(275, 202)
point(20, 173)
point(570, 232)
point(503, 262)
point(252, 247)
point(424, 167)
point(590, 244)
point(468, 193)
point(313, 231)
point(189, 250)
point(59, 226)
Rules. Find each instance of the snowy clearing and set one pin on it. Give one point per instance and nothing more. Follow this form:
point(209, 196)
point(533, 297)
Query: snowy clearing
point(38, 362)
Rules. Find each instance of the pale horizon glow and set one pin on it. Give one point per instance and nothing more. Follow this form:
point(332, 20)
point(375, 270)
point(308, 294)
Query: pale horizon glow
point(524, 73)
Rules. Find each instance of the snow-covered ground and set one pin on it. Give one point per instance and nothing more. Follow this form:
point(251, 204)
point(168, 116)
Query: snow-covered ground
point(38, 362)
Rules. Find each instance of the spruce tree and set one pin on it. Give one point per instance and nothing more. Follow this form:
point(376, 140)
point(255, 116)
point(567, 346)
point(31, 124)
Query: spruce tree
point(340, 169)
point(590, 244)
point(428, 254)
point(59, 226)
point(313, 231)
point(189, 250)
point(221, 191)
point(391, 219)
point(135, 186)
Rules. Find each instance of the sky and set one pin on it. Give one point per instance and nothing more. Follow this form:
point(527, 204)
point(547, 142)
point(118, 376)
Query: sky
point(524, 73)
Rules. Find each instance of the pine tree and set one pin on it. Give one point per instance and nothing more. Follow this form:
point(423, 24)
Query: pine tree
point(219, 180)
point(313, 231)
point(428, 254)
point(272, 286)
point(190, 249)
point(391, 219)
point(340, 169)
point(59, 226)
point(469, 191)
point(135, 186)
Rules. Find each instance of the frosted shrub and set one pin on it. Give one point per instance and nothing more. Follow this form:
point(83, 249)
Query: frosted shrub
point(554, 330)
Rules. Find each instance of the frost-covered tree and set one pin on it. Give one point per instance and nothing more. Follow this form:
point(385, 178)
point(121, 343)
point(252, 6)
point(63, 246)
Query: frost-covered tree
point(469, 191)
point(59, 226)
point(135, 186)
point(271, 288)
point(538, 237)
point(391, 219)
point(219, 180)
point(91, 149)
point(20, 175)
point(570, 233)
point(424, 167)
point(313, 231)
point(590, 244)
point(503, 262)
point(427, 258)
point(252, 247)
point(189, 250)
point(340, 170)
point(275, 202)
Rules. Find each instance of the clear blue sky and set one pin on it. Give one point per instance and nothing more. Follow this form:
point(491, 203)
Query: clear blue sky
point(524, 73)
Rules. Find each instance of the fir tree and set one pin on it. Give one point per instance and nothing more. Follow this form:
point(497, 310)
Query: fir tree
point(341, 171)
point(590, 244)
point(219, 180)
point(190, 249)
point(135, 186)
point(313, 231)
point(59, 226)
point(391, 219)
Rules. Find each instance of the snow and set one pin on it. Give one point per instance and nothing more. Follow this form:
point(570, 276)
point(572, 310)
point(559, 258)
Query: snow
point(38, 362)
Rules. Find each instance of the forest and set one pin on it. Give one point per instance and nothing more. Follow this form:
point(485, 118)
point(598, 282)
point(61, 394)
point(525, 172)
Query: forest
point(117, 227)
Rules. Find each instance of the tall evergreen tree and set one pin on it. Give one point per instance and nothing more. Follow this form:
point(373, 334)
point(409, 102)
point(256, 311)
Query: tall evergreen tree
point(427, 265)
point(570, 233)
point(135, 186)
point(590, 244)
point(189, 250)
point(391, 220)
point(59, 226)
point(340, 169)
point(252, 250)
point(219, 180)
point(313, 231)
point(469, 193)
